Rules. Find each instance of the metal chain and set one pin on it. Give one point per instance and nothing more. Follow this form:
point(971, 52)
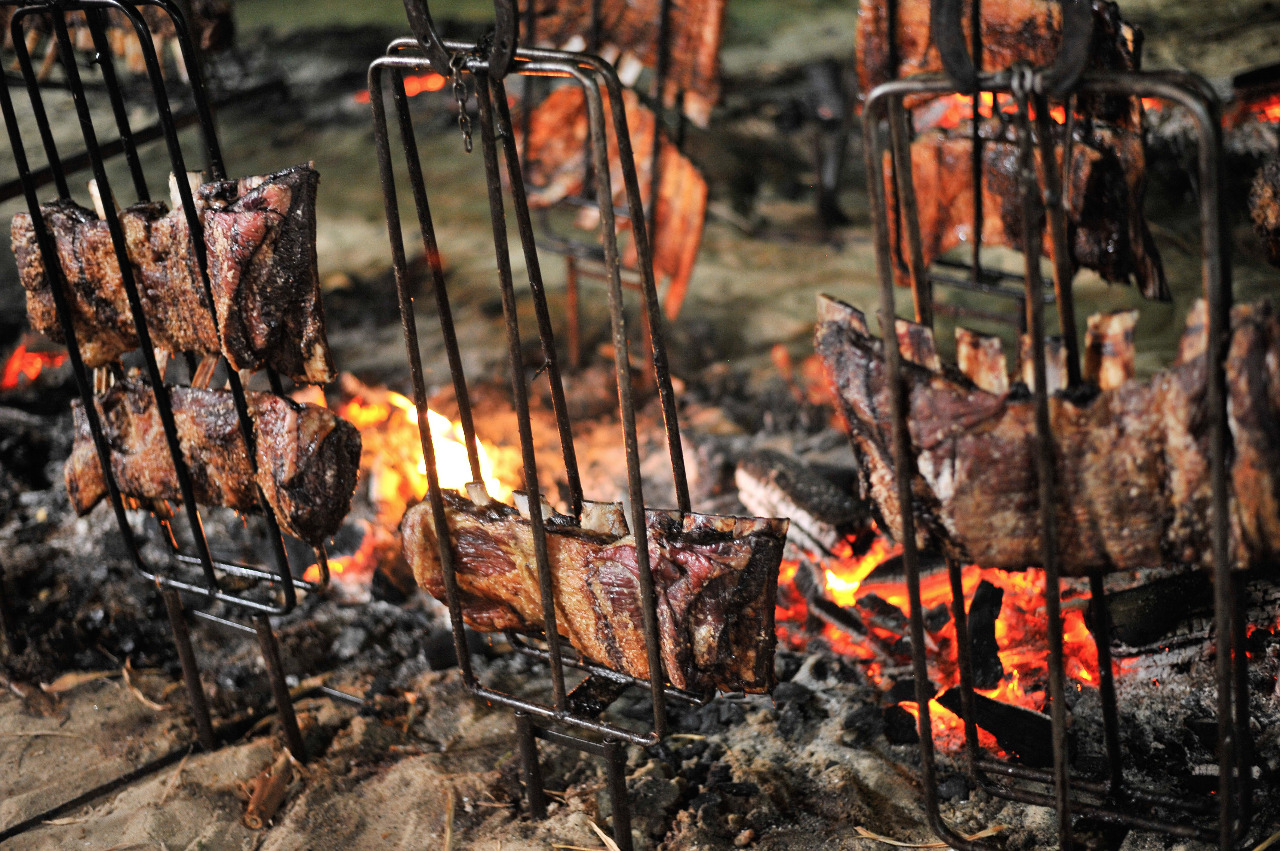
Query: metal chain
point(460, 95)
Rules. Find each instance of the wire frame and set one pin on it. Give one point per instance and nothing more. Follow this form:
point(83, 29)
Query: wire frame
point(261, 590)
point(1112, 798)
point(596, 78)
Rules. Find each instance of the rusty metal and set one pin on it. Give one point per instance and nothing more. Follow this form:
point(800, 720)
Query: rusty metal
point(1109, 797)
point(196, 572)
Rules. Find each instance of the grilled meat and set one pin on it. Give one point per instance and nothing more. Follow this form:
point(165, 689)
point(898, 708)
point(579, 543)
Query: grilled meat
point(260, 242)
point(556, 169)
point(1014, 30)
point(1131, 463)
point(629, 29)
point(307, 457)
point(1106, 230)
point(1264, 208)
point(715, 579)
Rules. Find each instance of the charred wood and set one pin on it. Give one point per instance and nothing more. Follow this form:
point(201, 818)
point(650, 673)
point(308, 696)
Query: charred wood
point(771, 484)
point(984, 611)
point(1024, 734)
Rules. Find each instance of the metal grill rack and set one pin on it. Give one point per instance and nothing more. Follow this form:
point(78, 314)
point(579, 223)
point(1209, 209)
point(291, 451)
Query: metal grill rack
point(585, 258)
point(1108, 797)
point(255, 592)
point(576, 710)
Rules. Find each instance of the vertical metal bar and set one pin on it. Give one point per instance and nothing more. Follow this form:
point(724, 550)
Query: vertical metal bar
point(528, 242)
point(279, 688)
point(644, 255)
point(1244, 736)
point(520, 393)
point(615, 764)
point(1045, 473)
point(97, 29)
point(431, 250)
point(903, 461)
point(37, 101)
point(659, 98)
point(1107, 684)
point(199, 94)
point(386, 174)
point(163, 405)
point(921, 287)
point(626, 404)
point(190, 668)
point(975, 141)
point(1055, 209)
point(534, 791)
point(964, 661)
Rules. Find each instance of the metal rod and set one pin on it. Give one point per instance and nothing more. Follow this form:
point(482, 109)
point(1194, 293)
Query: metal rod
point(520, 205)
point(519, 390)
point(96, 22)
point(190, 668)
point(909, 221)
point(571, 308)
point(1055, 209)
point(1106, 684)
point(408, 321)
point(975, 141)
point(431, 251)
point(535, 792)
point(8, 640)
point(279, 688)
point(615, 764)
point(964, 661)
point(1046, 474)
point(37, 103)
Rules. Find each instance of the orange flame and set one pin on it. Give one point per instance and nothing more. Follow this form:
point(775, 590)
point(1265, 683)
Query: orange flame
point(24, 366)
point(393, 467)
point(414, 85)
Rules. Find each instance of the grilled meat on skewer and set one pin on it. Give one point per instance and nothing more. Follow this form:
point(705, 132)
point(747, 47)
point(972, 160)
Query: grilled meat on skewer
point(307, 457)
point(259, 237)
point(1131, 463)
point(715, 580)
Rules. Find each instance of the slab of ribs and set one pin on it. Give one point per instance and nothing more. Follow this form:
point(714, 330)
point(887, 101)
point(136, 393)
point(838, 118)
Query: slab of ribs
point(715, 579)
point(259, 236)
point(307, 457)
point(556, 169)
point(1131, 463)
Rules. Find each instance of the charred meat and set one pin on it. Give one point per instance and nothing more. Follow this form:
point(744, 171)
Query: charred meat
point(1131, 463)
point(307, 457)
point(259, 237)
point(557, 169)
point(715, 579)
point(1105, 186)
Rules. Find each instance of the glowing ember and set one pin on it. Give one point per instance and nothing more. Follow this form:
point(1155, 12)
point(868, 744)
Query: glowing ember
point(1020, 631)
point(393, 469)
point(414, 84)
point(24, 366)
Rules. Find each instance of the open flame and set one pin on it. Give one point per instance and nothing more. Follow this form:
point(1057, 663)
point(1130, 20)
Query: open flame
point(395, 472)
point(414, 84)
point(24, 366)
point(1020, 630)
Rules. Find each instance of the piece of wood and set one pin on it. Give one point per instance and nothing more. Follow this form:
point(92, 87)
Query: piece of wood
point(771, 484)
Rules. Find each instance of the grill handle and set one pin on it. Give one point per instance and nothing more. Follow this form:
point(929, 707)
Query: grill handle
point(501, 50)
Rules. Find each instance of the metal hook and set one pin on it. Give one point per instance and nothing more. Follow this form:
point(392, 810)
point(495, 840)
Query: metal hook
point(501, 51)
point(1055, 81)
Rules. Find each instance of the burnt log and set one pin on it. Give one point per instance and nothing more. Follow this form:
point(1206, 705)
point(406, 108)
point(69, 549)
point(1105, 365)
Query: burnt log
point(1131, 464)
point(715, 579)
point(1024, 734)
point(771, 484)
point(307, 457)
point(984, 651)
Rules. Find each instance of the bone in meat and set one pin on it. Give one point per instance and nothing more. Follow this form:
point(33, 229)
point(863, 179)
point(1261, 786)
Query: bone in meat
point(981, 358)
point(1106, 230)
point(260, 242)
point(1108, 348)
point(307, 457)
point(1131, 464)
point(556, 169)
point(715, 579)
